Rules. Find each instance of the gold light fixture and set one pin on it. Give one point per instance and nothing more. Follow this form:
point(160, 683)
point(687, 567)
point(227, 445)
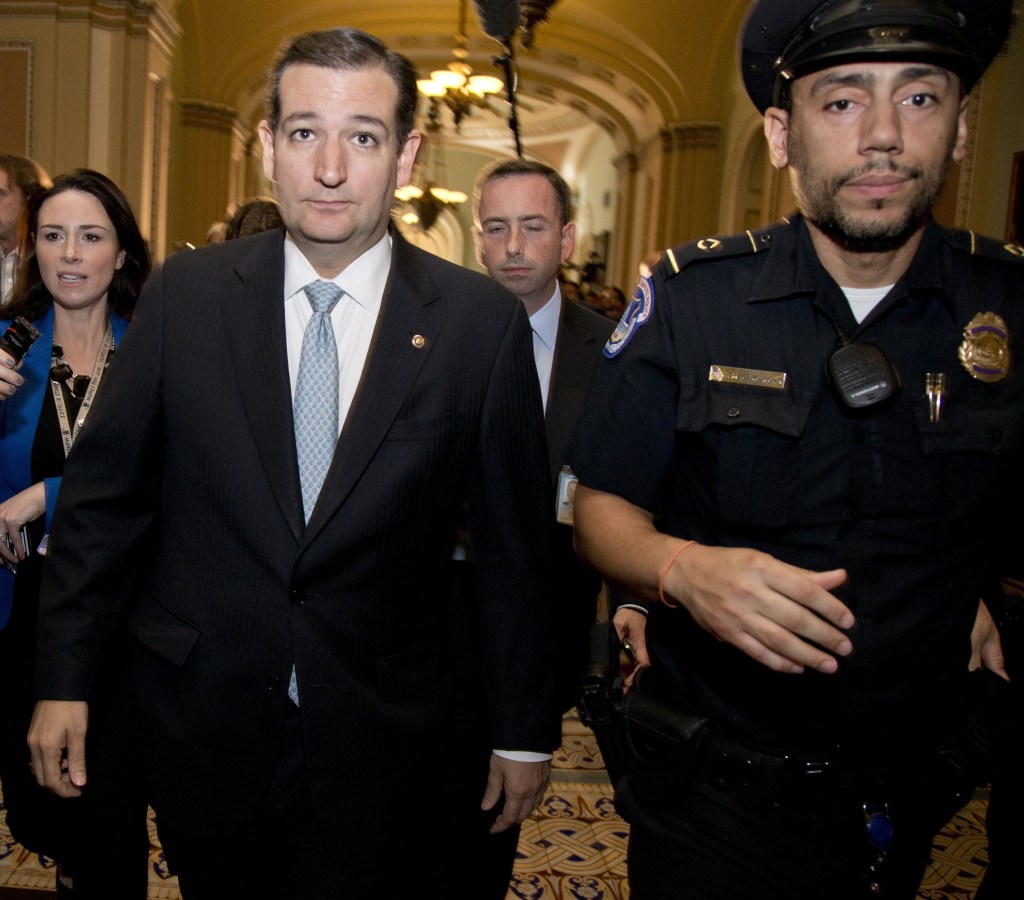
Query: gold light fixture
point(456, 86)
point(426, 202)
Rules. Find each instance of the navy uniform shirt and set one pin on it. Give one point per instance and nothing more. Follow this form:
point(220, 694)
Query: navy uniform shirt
point(913, 509)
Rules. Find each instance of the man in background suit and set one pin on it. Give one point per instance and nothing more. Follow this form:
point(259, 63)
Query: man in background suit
point(21, 179)
point(293, 660)
point(523, 230)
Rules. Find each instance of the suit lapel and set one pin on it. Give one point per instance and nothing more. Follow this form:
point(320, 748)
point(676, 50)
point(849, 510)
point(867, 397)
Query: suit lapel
point(571, 370)
point(253, 311)
point(407, 329)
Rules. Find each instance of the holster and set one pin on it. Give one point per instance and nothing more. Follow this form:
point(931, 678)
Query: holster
point(666, 746)
point(657, 745)
point(948, 778)
point(600, 700)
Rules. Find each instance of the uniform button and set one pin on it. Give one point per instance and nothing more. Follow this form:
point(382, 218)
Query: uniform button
point(297, 596)
point(274, 683)
point(733, 412)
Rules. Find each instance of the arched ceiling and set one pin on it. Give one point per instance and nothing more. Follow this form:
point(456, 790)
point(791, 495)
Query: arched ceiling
point(631, 68)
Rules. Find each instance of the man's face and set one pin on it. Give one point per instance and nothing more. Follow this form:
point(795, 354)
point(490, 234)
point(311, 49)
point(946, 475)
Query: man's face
point(868, 146)
point(520, 238)
point(11, 201)
point(335, 160)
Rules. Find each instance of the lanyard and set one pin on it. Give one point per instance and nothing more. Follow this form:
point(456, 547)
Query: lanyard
point(67, 433)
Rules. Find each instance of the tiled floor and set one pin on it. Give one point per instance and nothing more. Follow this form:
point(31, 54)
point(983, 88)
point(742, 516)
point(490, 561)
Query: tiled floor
point(574, 848)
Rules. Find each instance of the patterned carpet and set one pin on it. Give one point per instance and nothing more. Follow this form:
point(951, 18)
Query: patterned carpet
point(574, 848)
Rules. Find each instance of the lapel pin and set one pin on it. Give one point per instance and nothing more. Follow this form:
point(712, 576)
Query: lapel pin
point(419, 341)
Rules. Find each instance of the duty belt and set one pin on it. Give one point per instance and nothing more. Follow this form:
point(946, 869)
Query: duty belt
point(813, 782)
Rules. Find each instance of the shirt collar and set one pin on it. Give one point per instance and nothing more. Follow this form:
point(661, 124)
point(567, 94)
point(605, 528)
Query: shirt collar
point(793, 268)
point(544, 322)
point(363, 279)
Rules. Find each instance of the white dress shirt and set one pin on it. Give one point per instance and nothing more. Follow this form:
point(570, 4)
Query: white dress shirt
point(544, 323)
point(8, 263)
point(353, 318)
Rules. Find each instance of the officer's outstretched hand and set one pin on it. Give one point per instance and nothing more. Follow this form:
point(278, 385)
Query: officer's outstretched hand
point(781, 615)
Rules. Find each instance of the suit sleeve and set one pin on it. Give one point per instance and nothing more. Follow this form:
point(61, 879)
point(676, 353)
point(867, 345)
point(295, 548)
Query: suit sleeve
point(510, 508)
point(103, 524)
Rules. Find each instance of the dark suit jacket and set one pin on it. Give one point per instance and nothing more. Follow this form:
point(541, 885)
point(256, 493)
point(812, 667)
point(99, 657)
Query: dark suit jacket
point(181, 506)
point(581, 337)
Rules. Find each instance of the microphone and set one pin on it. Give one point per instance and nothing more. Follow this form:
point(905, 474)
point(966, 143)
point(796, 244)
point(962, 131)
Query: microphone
point(498, 18)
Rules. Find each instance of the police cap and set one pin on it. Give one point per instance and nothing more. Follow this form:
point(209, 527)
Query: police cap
point(785, 39)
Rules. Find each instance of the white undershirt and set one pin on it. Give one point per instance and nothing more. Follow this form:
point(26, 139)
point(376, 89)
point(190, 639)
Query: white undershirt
point(863, 300)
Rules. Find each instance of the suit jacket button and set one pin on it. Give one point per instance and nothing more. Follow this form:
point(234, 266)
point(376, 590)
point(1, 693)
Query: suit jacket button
point(297, 596)
point(274, 683)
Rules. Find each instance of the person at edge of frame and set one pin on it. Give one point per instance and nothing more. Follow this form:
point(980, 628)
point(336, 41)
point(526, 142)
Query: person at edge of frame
point(824, 419)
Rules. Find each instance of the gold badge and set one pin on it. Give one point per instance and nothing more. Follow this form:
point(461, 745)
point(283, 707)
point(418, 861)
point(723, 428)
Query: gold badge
point(985, 352)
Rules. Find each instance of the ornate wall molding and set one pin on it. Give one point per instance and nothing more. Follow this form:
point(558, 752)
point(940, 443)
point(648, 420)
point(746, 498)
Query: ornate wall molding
point(28, 48)
point(211, 116)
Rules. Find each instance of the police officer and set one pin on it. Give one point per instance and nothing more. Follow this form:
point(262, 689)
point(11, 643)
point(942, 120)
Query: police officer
point(801, 444)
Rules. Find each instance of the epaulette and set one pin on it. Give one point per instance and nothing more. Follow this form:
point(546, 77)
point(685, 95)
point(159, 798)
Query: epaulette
point(669, 263)
point(982, 245)
point(672, 261)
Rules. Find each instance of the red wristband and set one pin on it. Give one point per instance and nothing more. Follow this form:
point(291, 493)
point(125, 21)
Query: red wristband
point(664, 572)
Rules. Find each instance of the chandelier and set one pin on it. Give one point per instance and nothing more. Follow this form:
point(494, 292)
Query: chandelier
point(456, 85)
point(426, 202)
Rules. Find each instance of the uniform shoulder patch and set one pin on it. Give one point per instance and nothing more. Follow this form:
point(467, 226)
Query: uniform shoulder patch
point(982, 245)
point(671, 262)
point(637, 312)
point(676, 259)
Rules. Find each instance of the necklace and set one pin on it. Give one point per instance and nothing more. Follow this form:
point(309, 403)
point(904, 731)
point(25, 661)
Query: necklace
point(60, 370)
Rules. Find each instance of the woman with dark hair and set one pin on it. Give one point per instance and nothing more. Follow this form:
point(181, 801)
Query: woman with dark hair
point(85, 262)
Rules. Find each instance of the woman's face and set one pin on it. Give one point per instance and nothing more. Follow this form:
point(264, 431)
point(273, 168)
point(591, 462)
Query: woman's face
point(77, 249)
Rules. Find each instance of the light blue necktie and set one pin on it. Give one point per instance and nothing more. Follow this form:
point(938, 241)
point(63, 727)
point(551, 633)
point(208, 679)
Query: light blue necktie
point(316, 405)
point(316, 394)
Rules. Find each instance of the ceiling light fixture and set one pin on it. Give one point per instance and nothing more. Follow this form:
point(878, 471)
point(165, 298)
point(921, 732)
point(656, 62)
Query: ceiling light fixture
point(425, 202)
point(456, 86)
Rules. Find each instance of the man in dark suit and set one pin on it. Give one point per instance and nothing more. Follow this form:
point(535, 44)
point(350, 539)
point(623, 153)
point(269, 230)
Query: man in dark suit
point(293, 660)
point(524, 232)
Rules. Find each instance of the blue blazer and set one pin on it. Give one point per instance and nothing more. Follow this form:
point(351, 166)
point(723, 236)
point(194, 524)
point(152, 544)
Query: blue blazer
point(19, 419)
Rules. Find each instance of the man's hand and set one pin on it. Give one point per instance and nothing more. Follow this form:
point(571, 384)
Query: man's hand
point(783, 616)
point(780, 615)
point(631, 627)
point(986, 648)
point(56, 742)
point(524, 784)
